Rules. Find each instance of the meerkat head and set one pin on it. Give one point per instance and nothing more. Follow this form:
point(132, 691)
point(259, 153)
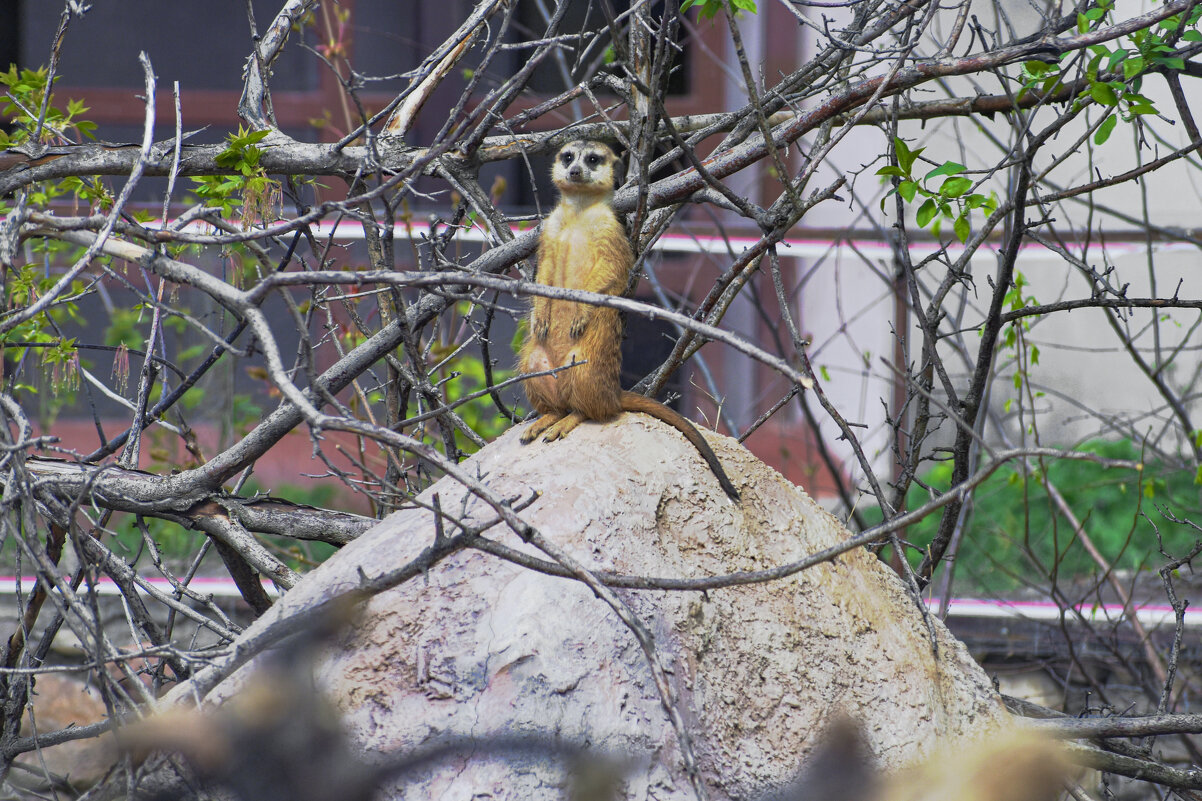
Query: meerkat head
point(584, 166)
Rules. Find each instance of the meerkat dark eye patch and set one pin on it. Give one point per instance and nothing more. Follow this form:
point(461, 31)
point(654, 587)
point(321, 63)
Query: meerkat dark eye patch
point(593, 159)
point(566, 158)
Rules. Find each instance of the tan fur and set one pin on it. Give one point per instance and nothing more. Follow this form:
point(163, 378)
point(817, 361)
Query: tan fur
point(583, 246)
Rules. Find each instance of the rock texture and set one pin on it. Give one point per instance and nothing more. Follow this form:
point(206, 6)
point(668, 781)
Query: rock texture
point(479, 647)
point(60, 701)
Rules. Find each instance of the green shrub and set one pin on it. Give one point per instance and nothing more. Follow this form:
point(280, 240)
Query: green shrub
point(1017, 537)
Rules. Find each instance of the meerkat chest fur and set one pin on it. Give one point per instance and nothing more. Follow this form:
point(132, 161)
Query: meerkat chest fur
point(582, 244)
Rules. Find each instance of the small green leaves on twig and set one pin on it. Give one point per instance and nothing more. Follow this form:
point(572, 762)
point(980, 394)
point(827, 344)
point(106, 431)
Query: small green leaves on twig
point(950, 200)
point(23, 97)
point(260, 195)
point(709, 8)
point(1113, 75)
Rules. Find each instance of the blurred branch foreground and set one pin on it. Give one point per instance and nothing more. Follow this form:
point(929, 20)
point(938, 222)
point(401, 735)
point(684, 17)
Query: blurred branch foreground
point(262, 275)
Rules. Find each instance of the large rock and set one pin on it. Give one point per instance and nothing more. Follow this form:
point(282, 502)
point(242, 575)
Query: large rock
point(480, 647)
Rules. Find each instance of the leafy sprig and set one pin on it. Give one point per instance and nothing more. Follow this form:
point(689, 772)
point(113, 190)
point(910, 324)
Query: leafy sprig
point(709, 8)
point(247, 186)
point(952, 199)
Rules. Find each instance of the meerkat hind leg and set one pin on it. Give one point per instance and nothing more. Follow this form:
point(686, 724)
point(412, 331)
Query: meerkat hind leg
point(563, 426)
point(539, 426)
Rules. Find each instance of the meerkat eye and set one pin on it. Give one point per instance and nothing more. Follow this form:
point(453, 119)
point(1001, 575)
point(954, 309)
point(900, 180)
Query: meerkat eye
point(566, 158)
point(592, 159)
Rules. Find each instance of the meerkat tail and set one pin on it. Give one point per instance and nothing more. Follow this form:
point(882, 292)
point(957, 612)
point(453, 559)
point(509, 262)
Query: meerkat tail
point(632, 402)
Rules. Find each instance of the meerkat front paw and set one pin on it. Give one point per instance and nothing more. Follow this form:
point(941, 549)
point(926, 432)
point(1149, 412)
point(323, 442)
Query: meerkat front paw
point(539, 426)
point(563, 426)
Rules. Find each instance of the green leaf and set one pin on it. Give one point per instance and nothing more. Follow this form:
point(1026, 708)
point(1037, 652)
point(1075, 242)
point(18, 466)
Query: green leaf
point(1173, 63)
point(1198, 475)
point(744, 5)
point(954, 187)
point(1192, 35)
point(1105, 129)
point(1132, 67)
point(256, 136)
point(905, 156)
point(907, 189)
point(946, 168)
point(1104, 94)
point(893, 170)
point(926, 213)
point(962, 228)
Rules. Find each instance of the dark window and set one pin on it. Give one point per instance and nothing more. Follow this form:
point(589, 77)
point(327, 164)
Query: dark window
point(391, 38)
point(200, 43)
point(647, 344)
point(10, 25)
point(577, 61)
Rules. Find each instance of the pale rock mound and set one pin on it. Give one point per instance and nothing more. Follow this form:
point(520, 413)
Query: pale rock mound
point(482, 648)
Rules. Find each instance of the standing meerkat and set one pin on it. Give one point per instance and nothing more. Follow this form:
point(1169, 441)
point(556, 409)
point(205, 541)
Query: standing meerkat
point(583, 246)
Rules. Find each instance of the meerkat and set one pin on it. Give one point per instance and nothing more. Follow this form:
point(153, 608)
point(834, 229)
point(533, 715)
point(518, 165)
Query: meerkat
point(583, 246)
